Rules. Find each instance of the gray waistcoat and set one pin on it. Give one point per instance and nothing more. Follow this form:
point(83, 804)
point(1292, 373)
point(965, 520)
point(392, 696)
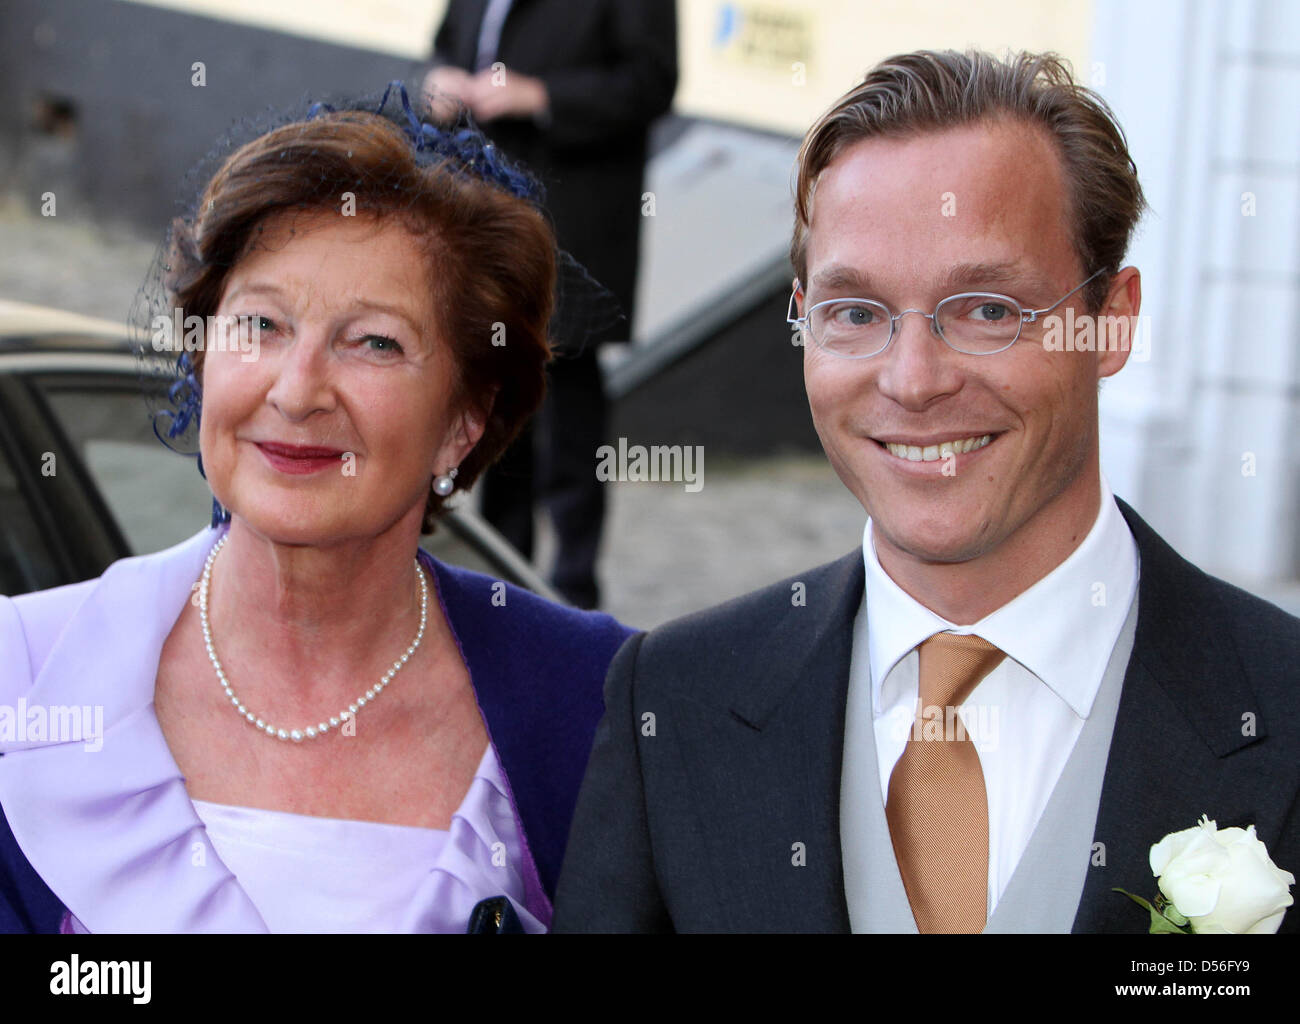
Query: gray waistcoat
point(1044, 890)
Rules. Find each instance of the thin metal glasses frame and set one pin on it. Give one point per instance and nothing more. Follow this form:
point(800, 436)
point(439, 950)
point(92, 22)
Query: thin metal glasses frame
point(1027, 316)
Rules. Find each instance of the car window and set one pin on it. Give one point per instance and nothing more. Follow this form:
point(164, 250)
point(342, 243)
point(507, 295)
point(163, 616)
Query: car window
point(26, 562)
point(156, 495)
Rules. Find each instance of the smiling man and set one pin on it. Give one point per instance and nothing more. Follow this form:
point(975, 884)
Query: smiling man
point(984, 717)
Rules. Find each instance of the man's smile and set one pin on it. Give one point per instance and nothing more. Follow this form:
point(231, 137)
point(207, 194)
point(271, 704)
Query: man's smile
point(935, 447)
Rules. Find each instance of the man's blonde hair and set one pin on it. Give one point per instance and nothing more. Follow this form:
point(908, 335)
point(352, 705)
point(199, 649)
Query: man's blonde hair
point(934, 90)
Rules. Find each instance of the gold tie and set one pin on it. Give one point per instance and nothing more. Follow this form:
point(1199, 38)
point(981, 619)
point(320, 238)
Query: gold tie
point(938, 809)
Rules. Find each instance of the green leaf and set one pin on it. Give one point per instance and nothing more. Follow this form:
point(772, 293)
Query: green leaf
point(1160, 924)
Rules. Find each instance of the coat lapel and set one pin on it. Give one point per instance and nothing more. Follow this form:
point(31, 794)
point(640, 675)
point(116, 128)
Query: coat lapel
point(108, 825)
point(1180, 717)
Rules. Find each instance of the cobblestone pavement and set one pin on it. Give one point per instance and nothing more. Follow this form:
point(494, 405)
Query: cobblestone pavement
point(666, 551)
point(72, 265)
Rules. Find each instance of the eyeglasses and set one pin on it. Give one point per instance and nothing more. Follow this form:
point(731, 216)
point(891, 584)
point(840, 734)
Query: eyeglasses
point(976, 323)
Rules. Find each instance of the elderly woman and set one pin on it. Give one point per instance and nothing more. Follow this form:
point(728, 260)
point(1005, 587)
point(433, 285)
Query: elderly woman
point(308, 723)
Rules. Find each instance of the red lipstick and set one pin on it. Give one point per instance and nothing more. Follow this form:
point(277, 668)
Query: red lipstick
point(298, 459)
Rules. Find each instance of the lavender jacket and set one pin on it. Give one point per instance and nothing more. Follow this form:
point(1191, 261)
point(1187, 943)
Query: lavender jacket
point(94, 815)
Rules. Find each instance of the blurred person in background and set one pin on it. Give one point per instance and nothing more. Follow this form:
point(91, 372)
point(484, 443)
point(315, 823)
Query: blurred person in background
point(306, 723)
point(570, 87)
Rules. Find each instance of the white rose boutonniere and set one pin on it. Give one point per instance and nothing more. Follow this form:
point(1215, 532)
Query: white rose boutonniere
point(1216, 881)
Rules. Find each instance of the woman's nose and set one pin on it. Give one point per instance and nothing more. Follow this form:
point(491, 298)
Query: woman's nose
point(303, 383)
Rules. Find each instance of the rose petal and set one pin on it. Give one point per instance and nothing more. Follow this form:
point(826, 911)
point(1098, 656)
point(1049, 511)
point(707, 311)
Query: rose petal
point(1193, 895)
point(1267, 925)
point(1175, 845)
point(1204, 858)
point(1251, 891)
point(1222, 879)
point(1260, 851)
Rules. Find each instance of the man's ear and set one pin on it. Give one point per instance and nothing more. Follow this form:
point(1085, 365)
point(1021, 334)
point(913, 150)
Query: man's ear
point(1117, 326)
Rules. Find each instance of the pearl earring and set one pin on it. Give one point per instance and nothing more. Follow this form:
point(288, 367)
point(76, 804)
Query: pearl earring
point(445, 484)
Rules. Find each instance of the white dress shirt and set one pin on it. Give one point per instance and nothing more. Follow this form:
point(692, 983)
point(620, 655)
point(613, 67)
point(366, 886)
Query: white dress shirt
point(1025, 716)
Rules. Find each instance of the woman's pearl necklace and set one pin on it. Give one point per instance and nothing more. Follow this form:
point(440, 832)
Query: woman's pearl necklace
point(312, 731)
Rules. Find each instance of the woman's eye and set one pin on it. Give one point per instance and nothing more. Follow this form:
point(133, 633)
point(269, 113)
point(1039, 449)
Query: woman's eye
point(257, 322)
point(382, 343)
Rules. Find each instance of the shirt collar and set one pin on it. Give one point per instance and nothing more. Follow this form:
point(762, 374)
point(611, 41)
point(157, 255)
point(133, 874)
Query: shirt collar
point(1062, 629)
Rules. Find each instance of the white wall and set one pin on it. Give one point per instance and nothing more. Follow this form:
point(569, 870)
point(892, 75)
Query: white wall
point(1209, 94)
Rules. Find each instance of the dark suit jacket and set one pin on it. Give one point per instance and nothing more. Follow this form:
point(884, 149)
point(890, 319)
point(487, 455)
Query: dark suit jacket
point(687, 819)
point(610, 68)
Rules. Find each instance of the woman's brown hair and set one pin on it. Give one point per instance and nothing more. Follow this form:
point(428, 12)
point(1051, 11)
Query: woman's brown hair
point(491, 254)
